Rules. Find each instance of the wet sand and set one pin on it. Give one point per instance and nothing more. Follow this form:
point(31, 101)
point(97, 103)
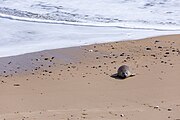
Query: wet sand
point(76, 83)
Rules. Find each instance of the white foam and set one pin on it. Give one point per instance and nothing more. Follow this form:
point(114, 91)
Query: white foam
point(127, 25)
point(24, 37)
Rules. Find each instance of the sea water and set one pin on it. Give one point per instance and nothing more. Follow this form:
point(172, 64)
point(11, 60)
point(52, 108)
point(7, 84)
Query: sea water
point(35, 25)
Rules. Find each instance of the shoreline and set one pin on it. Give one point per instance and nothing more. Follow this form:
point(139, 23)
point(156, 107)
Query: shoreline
point(44, 36)
point(75, 83)
point(78, 46)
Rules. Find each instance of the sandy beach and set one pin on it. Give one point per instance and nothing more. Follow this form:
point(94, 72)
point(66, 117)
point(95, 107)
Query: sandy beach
point(76, 84)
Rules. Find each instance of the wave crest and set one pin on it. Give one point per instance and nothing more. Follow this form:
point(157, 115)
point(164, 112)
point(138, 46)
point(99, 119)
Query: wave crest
point(64, 17)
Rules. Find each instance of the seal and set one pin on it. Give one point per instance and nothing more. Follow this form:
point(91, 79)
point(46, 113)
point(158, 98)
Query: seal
point(123, 72)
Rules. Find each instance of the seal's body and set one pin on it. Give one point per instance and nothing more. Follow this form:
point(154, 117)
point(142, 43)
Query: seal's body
point(124, 72)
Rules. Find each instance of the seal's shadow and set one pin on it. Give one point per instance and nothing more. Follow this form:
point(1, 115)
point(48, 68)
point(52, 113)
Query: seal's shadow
point(115, 76)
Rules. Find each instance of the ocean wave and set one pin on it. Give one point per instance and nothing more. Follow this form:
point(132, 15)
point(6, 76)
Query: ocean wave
point(85, 20)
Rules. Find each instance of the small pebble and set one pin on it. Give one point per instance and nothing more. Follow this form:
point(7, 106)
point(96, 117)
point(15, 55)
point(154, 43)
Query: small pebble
point(148, 48)
point(156, 107)
point(91, 50)
point(169, 109)
point(16, 84)
point(45, 58)
point(122, 115)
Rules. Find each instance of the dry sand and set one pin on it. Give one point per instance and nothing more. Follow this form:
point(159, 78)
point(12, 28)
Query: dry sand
point(75, 83)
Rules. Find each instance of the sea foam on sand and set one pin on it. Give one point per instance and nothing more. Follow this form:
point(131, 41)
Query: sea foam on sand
point(24, 37)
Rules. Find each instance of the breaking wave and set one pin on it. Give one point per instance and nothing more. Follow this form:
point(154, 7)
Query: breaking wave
point(62, 16)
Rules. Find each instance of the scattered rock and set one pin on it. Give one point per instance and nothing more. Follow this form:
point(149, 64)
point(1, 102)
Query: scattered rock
point(16, 84)
point(122, 115)
point(2, 81)
point(167, 53)
point(148, 48)
point(156, 41)
point(156, 107)
point(122, 54)
point(46, 58)
point(91, 50)
point(173, 50)
point(169, 109)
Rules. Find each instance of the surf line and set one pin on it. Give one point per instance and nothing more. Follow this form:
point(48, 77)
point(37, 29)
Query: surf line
point(12, 17)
